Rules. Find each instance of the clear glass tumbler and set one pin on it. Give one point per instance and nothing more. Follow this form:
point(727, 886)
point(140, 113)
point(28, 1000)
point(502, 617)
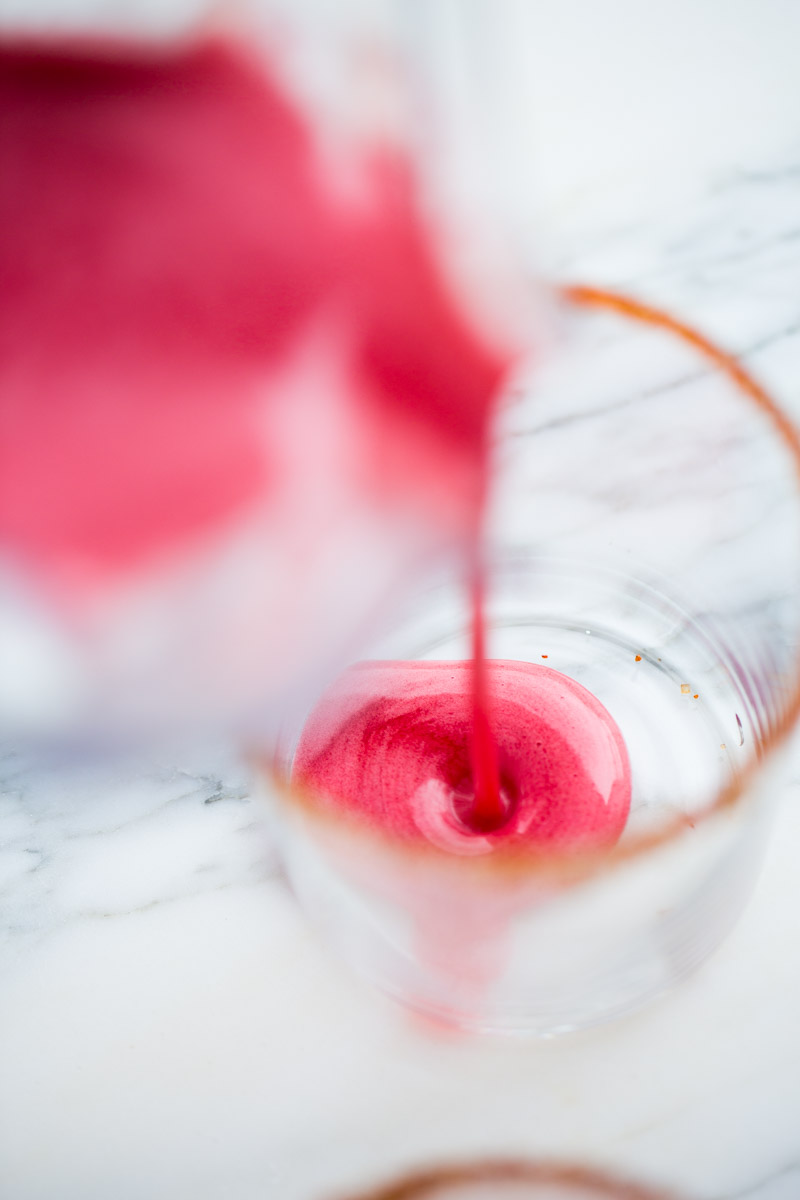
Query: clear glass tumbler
point(513, 1181)
point(645, 543)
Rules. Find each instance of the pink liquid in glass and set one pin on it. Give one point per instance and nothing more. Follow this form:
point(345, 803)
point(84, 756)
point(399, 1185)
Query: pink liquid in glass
point(392, 743)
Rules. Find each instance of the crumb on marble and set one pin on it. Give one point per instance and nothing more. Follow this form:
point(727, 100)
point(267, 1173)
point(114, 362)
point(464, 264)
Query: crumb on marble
point(685, 689)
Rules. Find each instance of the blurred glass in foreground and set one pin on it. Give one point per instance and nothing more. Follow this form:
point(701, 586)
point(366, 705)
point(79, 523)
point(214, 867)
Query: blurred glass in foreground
point(242, 398)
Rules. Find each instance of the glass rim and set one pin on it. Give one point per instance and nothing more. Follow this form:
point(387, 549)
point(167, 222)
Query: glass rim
point(571, 866)
point(430, 1182)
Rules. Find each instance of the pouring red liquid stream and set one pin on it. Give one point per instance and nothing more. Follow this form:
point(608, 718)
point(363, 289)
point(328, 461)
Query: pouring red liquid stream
point(490, 809)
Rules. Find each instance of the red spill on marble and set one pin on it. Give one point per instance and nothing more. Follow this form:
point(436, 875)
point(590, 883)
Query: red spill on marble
point(169, 236)
point(390, 743)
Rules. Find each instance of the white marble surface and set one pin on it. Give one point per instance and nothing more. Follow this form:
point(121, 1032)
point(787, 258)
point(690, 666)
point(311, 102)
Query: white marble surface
point(168, 1025)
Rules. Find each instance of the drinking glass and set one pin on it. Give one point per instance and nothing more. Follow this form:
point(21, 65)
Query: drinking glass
point(513, 1181)
point(645, 543)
